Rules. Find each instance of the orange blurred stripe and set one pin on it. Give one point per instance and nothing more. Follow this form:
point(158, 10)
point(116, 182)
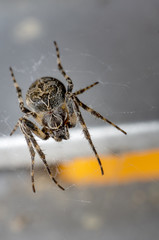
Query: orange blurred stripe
point(120, 168)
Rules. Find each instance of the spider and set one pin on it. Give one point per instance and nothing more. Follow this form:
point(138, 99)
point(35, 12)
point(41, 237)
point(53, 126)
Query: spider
point(55, 109)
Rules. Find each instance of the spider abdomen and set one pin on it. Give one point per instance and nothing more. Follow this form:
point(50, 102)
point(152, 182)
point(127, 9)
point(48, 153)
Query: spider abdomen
point(45, 94)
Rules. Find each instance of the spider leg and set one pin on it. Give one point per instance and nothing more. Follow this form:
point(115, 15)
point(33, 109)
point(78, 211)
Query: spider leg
point(19, 93)
point(86, 133)
point(27, 127)
point(32, 153)
point(37, 131)
point(98, 115)
point(61, 69)
point(15, 128)
point(27, 133)
point(84, 89)
point(17, 124)
point(42, 156)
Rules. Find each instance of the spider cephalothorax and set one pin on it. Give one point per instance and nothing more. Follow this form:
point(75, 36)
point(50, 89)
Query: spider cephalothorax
point(55, 109)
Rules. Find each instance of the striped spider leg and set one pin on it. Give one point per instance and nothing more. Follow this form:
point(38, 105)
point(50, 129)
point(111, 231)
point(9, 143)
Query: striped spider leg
point(27, 127)
point(78, 103)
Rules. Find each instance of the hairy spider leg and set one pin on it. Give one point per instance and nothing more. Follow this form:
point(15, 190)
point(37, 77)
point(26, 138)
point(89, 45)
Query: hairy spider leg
point(98, 115)
point(32, 153)
point(86, 133)
point(85, 89)
point(61, 69)
point(41, 133)
point(42, 156)
point(25, 126)
point(28, 135)
point(19, 93)
point(27, 115)
point(15, 128)
point(27, 132)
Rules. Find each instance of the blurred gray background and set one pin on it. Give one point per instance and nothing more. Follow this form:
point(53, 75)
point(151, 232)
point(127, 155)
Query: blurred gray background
point(115, 42)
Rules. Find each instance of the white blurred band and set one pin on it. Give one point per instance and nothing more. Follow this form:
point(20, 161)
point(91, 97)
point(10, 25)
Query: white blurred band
point(107, 140)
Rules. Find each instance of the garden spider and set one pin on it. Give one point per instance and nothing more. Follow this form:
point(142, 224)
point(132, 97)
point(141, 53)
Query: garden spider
point(56, 110)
